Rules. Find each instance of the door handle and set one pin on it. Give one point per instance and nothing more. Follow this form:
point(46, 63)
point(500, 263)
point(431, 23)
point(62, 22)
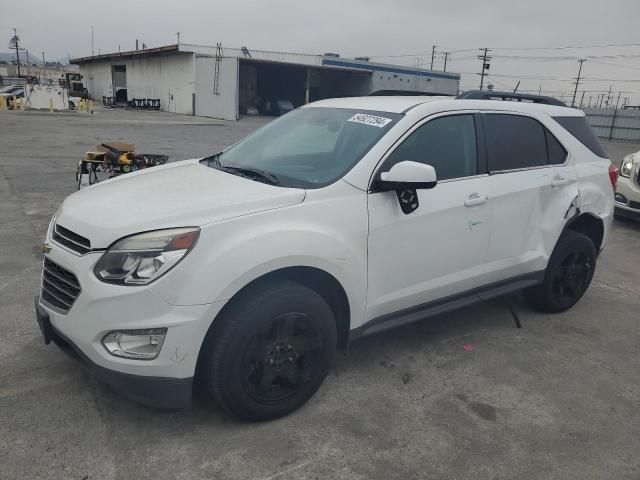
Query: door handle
point(560, 181)
point(475, 199)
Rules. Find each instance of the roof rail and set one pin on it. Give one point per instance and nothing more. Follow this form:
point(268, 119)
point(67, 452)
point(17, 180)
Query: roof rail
point(509, 96)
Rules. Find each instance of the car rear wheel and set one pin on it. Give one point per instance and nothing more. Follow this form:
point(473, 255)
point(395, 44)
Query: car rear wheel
point(270, 351)
point(568, 274)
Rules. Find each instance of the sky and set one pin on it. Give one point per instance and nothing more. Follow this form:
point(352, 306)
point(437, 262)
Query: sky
point(522, 35)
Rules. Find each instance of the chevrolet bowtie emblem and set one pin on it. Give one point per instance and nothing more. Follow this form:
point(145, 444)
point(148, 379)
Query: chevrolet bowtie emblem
point(45, 248)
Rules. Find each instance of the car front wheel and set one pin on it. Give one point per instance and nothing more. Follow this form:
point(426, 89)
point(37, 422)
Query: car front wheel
point(270, 351)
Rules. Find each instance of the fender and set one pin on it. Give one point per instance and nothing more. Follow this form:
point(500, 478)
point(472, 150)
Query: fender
point(243, 249)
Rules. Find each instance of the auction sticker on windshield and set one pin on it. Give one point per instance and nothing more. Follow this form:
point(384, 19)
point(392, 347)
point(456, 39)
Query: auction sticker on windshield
point(367, 119)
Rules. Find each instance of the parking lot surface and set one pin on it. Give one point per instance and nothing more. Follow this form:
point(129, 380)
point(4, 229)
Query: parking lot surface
point(464, 396)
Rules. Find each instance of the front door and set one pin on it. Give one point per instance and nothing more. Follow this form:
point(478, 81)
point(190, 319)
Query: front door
point(439, 249)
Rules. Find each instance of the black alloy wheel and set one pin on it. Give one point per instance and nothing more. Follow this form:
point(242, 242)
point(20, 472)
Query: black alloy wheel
point(269, 350)
point(282, 359)
point(568, 274)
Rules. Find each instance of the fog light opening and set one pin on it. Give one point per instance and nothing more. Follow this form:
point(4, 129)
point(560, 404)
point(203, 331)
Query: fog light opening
point(136, 344)
point(620, 198)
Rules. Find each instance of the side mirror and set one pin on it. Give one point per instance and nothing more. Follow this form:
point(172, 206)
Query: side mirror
point(408, 175)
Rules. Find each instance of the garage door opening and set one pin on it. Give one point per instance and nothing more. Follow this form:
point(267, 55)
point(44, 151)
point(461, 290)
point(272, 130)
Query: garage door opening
point(119, 78)
point(269, 88)
point(334, 83)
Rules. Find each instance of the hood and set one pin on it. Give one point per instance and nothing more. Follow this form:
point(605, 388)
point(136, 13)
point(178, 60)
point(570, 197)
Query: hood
point(179, 194)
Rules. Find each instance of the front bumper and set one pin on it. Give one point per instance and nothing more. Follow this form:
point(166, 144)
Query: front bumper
point(100, 308)
point(157, 392)
point(626, 212)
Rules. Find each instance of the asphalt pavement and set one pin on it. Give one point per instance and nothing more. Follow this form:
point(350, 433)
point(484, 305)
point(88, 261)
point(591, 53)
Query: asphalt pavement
point(466, 395)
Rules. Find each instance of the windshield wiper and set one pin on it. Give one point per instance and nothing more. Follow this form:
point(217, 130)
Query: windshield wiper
point(254, 173)
point(248, 172)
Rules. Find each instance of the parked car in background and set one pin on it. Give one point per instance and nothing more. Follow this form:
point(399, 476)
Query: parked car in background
point(273, 106)
point(11, 90)
point(16, 92)
point(343, 218)
point(627, 197)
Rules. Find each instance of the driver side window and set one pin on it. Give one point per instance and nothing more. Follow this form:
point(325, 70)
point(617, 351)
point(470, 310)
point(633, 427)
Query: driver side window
point(448, 144)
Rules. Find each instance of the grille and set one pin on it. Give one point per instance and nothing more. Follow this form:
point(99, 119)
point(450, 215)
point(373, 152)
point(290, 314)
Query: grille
point(71, 240)
point(635, 205)
point(60, 287)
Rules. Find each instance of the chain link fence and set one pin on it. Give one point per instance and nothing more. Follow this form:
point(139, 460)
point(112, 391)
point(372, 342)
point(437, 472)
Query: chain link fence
point(615, 124)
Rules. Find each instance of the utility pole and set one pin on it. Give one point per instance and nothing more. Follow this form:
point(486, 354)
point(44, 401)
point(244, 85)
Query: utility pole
point(178, 35)
point(433, 54)
point(540, 90)
point(446, 54)
point(485, 64)
point(92, 51)
point(44, 66)
point(581, 99)
point(575, 90)
point(14, 42)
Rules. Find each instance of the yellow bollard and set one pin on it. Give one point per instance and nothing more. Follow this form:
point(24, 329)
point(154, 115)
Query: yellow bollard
point(14, 102)
point(51, 104)
point(3, 103)
point(22, 104)
point(81, 105)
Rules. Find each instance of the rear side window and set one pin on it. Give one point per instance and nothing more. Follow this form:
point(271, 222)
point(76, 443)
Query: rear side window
point(579, 128)
point(514, 142)
point(555, 151)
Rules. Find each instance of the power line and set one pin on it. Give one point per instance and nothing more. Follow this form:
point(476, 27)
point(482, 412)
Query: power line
point(504, 85)
point(615, 65)
point(570, 47)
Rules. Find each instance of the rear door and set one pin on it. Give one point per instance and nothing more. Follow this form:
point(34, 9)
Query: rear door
point(533, 185)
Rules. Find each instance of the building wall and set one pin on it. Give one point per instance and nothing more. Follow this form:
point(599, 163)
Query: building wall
point(223, 101)
point(284, 57)
point(395, 77)
point(409, 82)
point(97, 77)
point(170, 78)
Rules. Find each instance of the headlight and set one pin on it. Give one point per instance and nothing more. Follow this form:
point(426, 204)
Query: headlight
point(140, 259)
point(626, 167)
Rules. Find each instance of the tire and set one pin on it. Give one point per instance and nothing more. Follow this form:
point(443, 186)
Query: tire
point(568, 274)
point(270, 351)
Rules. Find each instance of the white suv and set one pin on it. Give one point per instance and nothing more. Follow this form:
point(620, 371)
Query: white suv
point(247, 269)
point(627, 197)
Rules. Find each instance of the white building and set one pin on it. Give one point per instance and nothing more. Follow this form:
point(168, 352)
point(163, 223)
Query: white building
point(222, 83)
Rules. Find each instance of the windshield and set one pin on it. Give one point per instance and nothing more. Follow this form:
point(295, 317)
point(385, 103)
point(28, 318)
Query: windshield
point(307, 148)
